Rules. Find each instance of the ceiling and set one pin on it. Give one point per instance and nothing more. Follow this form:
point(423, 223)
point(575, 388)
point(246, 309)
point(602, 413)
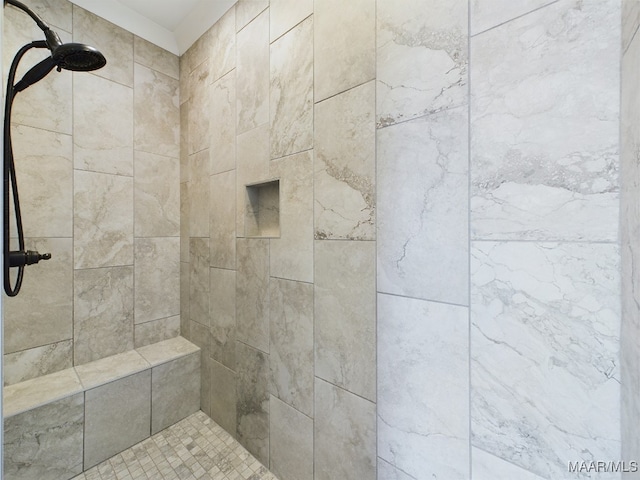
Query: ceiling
point(171, 24)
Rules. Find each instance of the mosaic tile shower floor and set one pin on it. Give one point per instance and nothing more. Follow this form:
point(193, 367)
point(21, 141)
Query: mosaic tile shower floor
point(195, 448)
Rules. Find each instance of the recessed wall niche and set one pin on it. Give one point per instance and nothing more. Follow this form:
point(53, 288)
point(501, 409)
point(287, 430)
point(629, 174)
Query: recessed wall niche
point(262, 217)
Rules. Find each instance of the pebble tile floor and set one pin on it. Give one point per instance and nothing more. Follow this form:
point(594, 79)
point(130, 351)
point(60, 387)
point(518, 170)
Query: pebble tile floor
point(195, 448)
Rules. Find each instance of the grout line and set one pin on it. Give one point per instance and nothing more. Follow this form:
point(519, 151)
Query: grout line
point(422, 299)
point(425, 115)
point(512, 19)
point(469, 363)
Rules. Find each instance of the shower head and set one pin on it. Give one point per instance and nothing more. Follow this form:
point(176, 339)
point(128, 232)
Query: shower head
point(78, 57)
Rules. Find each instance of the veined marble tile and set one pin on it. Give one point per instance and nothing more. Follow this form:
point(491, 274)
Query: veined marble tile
point(423, 208)
point(157, 195)
point(159, 59)
point(286, 14)
point(168, 350)
point(630, 22)
point(223, 220)
point(37, 361)
point(344, 177)
point(49, 104)
point(103, 313)
point(291, 92)
point(57, 13)
point(185, 87)
point(199, 281)
point(45, 443)
point(489, 467)
point(34, 393)
point(115, 43)
point(200, 108)
point(111, 368)
point(423, 387)
point(486, 14)
point(102, 125)
point(344, 435)
point(291, 345)
point(44, 171)
point(545, 380)
point(223, 124)
point(252, 167)
point(252, 294)
point(43, 312)
point(199, 194)
point(103, 220)
point(544, 148)
point(223, 397)
point(247, 10)
point(422, 58)
point(345, 315)
point(290, 442)
point(252, 401)
point(184, 222)
point(156, 331)
point(222, 44)
point(157, 278)
point(185, 286)
point(185, 174)
point(386, 471)
point(156, 112)
point(345, 45)
point(201, 336)
point(253, 74)
point(291, 255)
point(223, 316)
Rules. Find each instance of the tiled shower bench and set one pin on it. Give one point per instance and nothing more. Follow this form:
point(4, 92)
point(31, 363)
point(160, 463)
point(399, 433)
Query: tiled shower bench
point(58, 425)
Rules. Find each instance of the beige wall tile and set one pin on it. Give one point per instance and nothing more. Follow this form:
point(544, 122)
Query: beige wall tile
point(152, 56)
point(223, 397)
point(247, 10)
point(223, 220)
point(286, 14)
point(199, 194)
point(222, 45)
point(252, 293)
point(156, 331)
point(290, 442)
point(223, 124)
point(199, 281)
point(223, 317)
point(199, 108)
point(37, 361)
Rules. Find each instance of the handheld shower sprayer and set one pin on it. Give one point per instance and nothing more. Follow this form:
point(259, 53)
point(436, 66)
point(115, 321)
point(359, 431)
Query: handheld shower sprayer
point(68, 56)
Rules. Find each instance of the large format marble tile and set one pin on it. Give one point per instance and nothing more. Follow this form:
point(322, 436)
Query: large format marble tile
point(170, 349)
point(159, 59)
point(248, 10)
point(199, 194)
point(252, 167)
point(223, 316)
point(344, 176)
point(291, 92)
point(252, 294)
point(102, 220)
point(489, 467)
point(545, 381)
point(291, 255)
point(157, 278)
point(36, 362)
point(185, 174)
point(290, 442)
point(111, 368)
point(42, 314)
point(386, 471)
point(423, 208)
point(345, 315)
point(57, 13)
point(199, 108)
point(175, 391)
point(223, 397)
point(102, 125)
point(286, 14)
point(156, 331)
point(103, 313)
point(486, 14)
point(291, 345)
point(157, 196)
point(344, 435)
point(423, 387)
point(222, 45)
point(156, 112)
point(422, 58)
point(184, 222)
point(544, 148)
point(109, 428)
point(223, 220)
point(47, 105)
point(44, 171)
point(199, 281)
point(223, 124)
point(45, 443)
point(630, 23)
point(345, 45)
point(252, 401)
point(253, 74)
point(115, 43)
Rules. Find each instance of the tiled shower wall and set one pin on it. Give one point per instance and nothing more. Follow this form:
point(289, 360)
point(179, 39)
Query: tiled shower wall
point(285, 91)
point(630, 230)
point(97, 158)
